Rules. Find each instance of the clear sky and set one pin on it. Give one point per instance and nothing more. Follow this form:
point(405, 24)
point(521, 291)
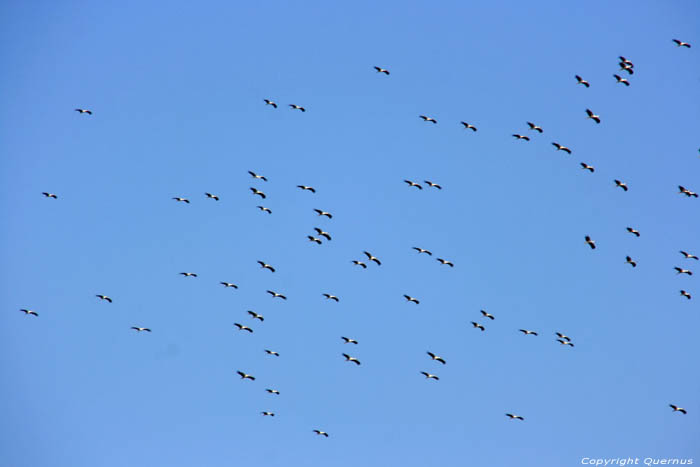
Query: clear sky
point(177, 88)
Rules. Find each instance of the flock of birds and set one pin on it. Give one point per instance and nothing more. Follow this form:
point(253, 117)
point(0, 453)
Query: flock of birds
point(564, 340)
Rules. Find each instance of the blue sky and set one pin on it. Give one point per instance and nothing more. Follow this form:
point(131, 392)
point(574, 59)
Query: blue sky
point(177, 93)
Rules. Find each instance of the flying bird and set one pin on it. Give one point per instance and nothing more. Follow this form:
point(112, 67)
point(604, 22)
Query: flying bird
point(683, 271)
point(468, 126)
point(436, 358)
point(421, 250)
point(410, 183)
point(276, 295)
point(49, 195)
point(526, 332)
point(592, 116)
point(321, 233)
point(273, 391)
point(258, 192)
point(270, 414)
point(254, 315)
point(348, 358)
point(622, 80)
point(214, 197)
point(348, 340)
point(618, 183)
point(565, 342)
point(138, 329)
point(678, 409)
point(89, 112)
point(308, 188)
point(432, 185)
point(678, 43)
point(514, 417)
point(688, 193)
point(686, 294)
point(269, 102)
point(633, 231)
point(296, 107)
point(521, 137)
point(428, 119)
point(246, 376)
point(590, 242)
point(264, 209)
point(242, 328)
point(429, 376)
point(561, 148)
point(359, 263)
point(228, 284)
point(323, 213)
point(29, 312)
point(444, 261)
point(487, 315)
point(582, 81)
point(625, 61)
point(321, 433)
point(372, 258)
point(182, 200)
point(479, 326)
point(313, 239)
point(688, 255)
point(382, 70)
point(534, 127)
point(411, 299)
point(188, 274)
point(562, 336)
point(628, 259)
point(104, 297)
point(272, 352)
point(264, 265)
point(587, 167)
point(331, 297)
point(254, 175)
point(627, 68)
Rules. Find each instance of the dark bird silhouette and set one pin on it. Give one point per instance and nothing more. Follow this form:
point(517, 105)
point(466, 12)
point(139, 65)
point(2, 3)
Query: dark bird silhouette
point(534, 127)
point(49, 195)
point(182, 200)
point(429, 376)
point(254, 315)
point(590, 242)
point(272, 352)
point(372, 258)
point(314, 239)
point(331, 297)
point(382, 70)
point(273, 391)
point(432, 185)
point(688, 193)
point(259, 177)
point(683, 271)
point(436, 358)
point(686, 294)
point(29, 312)
point(296, 107)
point(487, 315)
point(428, 119)
point(622, 80)
point(242, 327)
point(468, 126)
point(270, 414)
point(421, 250)
point(627, 68)
point(565, 342)
point(561, 148)
point(678, 409)
point(688, 255)
point(324, 213)
point(264, 209)
point(359, 263)
point(681, 43)
point(264, 265)
point(138, 329)
point(307, 188)
point(410, 183)
point(411, 299)
point(592, 116)
point(84, 111)
point(526, 332)
point(276, 295)
point(521, 137)
point(347, 340)
point(269, 102)
point(562, 336)
point(446, 262)
point(582, 81)
point(633, 231)
point(628, 260)
point(321, 233)
point(514, 417)
point(246, 376)
point(587, 167)
point(348, 358)
point(188, 274)
point(478, 326)
point(258, 192)
point(618, 183)
point(321, 433)
point(625, 61)
point(214, 197)
point(104, 297)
